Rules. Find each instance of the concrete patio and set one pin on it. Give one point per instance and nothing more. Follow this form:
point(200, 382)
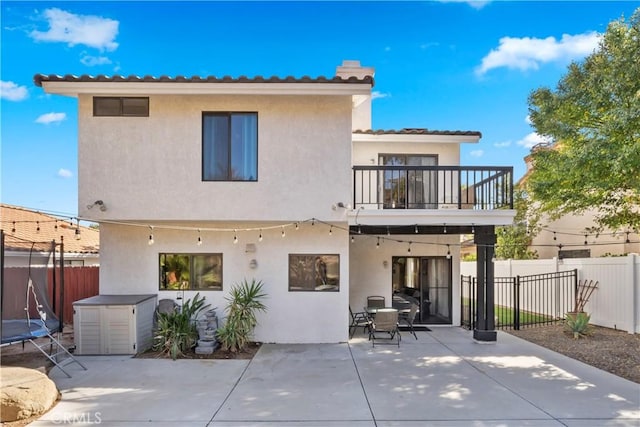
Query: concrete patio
point(442, 379)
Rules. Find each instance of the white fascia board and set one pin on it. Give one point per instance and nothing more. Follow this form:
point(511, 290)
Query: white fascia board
point(426, 139)
point(174, 88)
point(430, 217)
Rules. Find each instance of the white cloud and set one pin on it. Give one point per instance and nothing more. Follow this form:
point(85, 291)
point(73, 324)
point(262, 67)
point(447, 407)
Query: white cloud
point(91, 61)
point(65, 173)
point(527, 120)
point(89, 30)
point(529, 53)
point(502, 144)
point(477, 153)
point(377, 94)
point(51, 118)
point(532, 139)
point(12, 92)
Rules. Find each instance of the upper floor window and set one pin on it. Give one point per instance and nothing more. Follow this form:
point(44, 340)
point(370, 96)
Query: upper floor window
point(121, 106)
point(230, 146)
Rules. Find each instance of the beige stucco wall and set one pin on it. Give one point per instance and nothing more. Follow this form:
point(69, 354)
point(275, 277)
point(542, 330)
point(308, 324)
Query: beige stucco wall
point(131, 266)
point(150, 167)
point(365, 153)
point(570, 233)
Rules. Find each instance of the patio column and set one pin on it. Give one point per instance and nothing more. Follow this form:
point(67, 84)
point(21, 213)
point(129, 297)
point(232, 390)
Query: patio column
point(485, 239)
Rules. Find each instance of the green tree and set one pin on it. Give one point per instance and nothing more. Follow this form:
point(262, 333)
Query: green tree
point(513, 242)
point(593, 118)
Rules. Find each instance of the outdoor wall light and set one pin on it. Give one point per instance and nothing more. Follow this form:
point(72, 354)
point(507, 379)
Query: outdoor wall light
point(99, 203)
point(253, 264)
point(341, 205)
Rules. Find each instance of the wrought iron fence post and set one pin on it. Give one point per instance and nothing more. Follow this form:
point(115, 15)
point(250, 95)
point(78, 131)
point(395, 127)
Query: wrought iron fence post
point(516, 303)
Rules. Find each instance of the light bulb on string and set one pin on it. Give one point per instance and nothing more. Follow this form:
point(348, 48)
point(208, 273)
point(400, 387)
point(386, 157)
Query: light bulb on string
point(353, 240)
point(585, 239)
point(416, 229)
point(313, 221)
point(388, 231)
point(199, 238)
point(55, 227)
point(473, 229)
point(409, 248)
point(297, 226)
point(283, 233)
point(151, 235)
point(13, 228)
point(330, 230)
point(235, 237)
point(448, 252)
point(378, 244)
point(37, 226)
point(554, 236)
point(77, 233)
point(359, 230)
point(260, 236)
point(627, 241)
point(445, 229)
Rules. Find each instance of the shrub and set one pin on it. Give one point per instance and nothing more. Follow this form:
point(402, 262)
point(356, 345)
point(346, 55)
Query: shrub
point(244, 301)
point(577, 324)
point(176, 331)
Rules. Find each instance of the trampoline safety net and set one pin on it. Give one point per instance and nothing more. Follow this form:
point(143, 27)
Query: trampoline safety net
point(25, 289)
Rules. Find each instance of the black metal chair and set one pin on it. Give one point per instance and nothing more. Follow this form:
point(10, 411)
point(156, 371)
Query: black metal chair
point(384, 326)
point(358, 319)
point(375, 301)
point(406, 319)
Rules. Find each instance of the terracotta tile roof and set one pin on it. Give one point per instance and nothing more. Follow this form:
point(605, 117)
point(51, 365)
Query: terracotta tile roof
point(417, 131)
point(39, 78)
point(26, 229)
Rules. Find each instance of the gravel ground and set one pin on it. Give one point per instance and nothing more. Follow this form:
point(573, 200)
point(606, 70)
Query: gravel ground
point(608, 349)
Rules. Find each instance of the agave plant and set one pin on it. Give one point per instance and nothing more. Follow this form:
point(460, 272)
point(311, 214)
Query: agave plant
point(245, 300)
point(577, 324)
point(176, 331)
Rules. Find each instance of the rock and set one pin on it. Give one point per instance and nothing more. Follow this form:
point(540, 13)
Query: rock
point(25, 393)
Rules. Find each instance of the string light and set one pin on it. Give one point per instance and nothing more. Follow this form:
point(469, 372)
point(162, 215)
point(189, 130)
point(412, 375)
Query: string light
point(260, 236)
point(445, 229)
point(585, 239)
point(331, 230)
point(235, 237)
point(77, 233)
point(627, 241)
point(313, 221)
point(199, 238)
point(473, 229)
point(297, 226)
point(409, 248)
point(359, 230)
point(353, 240)
point(388, 231)
point(150, 235)
point(554, 236)
point(283, 233)
point(416, 229)
point(37, 226)
point(448, 252)
point(55, 227)
point(378, 244)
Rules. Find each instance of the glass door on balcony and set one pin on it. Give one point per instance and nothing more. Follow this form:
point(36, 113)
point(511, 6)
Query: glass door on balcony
point(427, 281)
point(407, 188)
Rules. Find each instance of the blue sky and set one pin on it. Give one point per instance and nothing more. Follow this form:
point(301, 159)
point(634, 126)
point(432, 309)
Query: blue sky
point(442, 65)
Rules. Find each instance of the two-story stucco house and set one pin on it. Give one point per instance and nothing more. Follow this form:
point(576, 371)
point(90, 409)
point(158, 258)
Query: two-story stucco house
point(209, 181)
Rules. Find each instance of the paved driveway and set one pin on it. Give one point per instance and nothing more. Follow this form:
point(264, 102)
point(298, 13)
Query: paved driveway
point(442, 379)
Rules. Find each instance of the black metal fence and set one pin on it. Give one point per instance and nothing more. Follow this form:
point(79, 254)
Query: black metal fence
point(523, 301)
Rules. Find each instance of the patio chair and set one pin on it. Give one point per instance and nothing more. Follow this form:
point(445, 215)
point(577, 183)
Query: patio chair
point(406, 319)
point(375, 301)
point(358, 319)
point(384, 326)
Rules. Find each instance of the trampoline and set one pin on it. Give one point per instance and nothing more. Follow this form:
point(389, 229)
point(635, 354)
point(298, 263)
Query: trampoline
point(27, 297)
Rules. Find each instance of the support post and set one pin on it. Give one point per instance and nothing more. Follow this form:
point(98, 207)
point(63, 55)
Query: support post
point(485, 239)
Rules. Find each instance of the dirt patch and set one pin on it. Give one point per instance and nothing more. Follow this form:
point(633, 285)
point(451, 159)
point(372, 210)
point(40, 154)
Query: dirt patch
point(614, 351)
point(248, 353)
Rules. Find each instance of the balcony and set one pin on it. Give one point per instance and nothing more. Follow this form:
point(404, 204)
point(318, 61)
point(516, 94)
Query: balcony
point(481, 188)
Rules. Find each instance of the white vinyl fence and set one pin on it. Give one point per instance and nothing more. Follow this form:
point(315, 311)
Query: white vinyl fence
point(616, 302)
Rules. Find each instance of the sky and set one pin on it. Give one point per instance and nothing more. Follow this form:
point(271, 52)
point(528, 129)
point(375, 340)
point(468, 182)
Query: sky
point(441, 65)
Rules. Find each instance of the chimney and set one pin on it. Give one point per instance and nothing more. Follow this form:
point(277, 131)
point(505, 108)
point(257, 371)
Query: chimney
point(353, 69)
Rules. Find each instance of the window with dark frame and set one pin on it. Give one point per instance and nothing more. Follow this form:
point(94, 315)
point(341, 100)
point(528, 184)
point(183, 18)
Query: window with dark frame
point(314, 272)
point(229, 146)
point(109, 106)
point(190, 271)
